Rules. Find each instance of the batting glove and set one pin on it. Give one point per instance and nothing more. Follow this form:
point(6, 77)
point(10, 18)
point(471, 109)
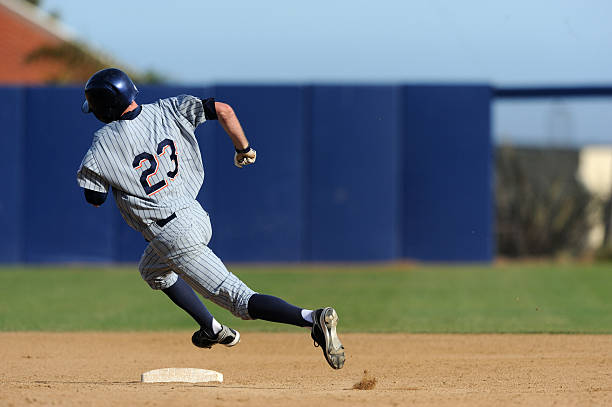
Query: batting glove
point(244, 157)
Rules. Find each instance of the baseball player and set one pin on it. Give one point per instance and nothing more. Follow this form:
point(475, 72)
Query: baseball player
point(149, 156)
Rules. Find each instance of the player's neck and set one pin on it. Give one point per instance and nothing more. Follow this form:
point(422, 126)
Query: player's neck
point(131, 107)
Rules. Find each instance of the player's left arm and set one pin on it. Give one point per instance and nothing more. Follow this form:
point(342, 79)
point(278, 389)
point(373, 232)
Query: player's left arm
point(95, 187)
point(244, 155)
point(94, 197)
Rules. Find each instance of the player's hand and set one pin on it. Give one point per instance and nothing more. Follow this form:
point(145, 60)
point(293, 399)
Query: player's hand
point(244, 157)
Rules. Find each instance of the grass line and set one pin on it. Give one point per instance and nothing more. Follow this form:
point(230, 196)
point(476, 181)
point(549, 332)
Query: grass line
point(386, 298)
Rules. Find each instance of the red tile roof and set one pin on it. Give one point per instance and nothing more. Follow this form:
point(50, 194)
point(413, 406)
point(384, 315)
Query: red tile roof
point(20, 34)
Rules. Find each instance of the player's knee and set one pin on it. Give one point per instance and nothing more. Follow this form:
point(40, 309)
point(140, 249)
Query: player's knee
point(160, 282)
point(240, 307)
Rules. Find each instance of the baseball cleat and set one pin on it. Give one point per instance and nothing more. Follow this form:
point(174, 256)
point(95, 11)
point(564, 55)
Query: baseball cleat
point(227, 336)
point(324, 335)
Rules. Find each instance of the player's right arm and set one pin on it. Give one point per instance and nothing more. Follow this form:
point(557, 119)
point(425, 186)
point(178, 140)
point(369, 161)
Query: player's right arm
point(230, 123)
point(197, 111)
point(245, 155)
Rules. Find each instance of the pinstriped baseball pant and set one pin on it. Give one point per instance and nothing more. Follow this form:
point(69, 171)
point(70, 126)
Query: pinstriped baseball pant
point(180, 248)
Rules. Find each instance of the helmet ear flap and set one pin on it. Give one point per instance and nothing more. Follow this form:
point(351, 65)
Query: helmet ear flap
point(85, 108)
point(105, 115)
point(102, 101)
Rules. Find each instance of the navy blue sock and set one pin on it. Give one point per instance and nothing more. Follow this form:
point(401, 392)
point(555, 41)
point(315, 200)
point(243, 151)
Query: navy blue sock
point(274, 309)
point(184, 296)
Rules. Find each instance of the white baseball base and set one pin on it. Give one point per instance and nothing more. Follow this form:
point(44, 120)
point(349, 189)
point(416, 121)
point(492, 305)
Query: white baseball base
point(186, 375)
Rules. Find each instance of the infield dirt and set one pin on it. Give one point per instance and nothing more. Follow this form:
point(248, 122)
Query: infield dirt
point(265, 369)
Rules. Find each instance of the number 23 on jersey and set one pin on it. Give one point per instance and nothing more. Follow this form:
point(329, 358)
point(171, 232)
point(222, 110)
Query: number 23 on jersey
point(153, 160)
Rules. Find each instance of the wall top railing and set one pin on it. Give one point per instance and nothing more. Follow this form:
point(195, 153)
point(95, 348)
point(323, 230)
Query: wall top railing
point(551, 92)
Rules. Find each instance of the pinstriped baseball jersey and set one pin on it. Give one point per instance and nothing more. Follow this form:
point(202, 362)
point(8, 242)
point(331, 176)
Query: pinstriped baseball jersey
point(152, 162)
point(154, 166)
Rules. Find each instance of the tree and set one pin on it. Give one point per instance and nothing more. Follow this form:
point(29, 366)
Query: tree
point(79, 63)
point(542, 209)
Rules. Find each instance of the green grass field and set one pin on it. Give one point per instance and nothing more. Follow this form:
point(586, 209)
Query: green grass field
point(385, 298)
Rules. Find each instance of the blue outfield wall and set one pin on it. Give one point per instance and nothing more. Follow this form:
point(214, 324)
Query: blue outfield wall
point(447, 179)
point(344, 173)
point(12, 167)
point(354, 179)
point(257, 211)
point(58, 227)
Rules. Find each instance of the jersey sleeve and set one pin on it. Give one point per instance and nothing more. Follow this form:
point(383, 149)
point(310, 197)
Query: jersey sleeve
point(210, 111)
point(89, 177)
point(192, 109)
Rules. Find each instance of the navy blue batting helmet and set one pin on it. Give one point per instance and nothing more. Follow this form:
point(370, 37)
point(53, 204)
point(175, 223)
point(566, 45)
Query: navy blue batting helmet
point(108, 93)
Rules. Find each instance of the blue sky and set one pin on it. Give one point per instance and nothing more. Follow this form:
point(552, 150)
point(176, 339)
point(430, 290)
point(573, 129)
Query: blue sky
point(505, 42)
point(519, 42)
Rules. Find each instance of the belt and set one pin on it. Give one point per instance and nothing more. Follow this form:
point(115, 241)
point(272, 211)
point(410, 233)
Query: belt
point(163, 222)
